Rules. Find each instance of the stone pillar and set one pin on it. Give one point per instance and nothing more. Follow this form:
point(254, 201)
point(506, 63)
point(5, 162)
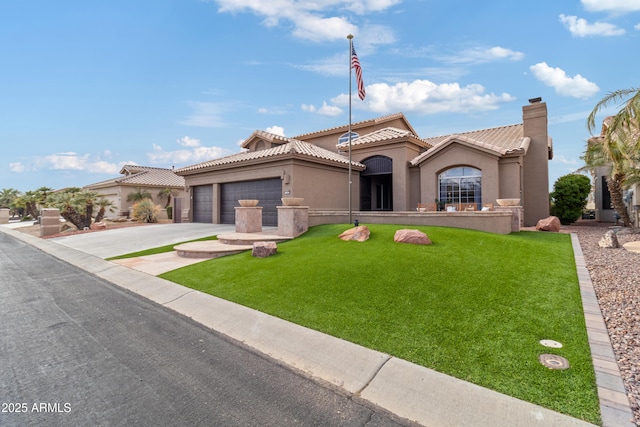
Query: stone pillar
point(4, 216)
point(517, 217)
point(248, 220)
point(49, 222)
point(292, 220)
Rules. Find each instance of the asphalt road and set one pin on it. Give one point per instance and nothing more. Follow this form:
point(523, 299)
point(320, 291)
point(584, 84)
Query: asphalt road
point(77, 350)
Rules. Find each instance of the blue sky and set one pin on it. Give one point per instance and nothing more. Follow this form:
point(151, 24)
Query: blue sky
point(87, 86)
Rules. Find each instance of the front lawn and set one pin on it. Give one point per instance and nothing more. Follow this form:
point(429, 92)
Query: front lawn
point(473, 305)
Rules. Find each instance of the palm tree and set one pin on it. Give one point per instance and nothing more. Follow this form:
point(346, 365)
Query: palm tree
point(615, 155)
point(139, 195)
point(618, 146)
point(103, 204)
point(77, 206)
point(7, 198)
point(165, 195)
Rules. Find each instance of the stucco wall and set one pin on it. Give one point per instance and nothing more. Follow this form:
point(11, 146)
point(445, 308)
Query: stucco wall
point(322, 186)
point(459, 155)
point(535, 197)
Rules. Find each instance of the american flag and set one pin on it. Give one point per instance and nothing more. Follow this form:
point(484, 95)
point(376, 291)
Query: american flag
point(355, 64)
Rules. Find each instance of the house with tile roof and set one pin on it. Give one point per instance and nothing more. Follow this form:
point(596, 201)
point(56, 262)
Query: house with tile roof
point(134, 178)
point(392, 169)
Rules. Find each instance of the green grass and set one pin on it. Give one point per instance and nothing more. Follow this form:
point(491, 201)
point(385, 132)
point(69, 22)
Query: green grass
point(158, 250)
point(473, 305)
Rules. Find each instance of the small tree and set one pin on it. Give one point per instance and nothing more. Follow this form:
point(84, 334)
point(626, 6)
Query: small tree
point(569, 197)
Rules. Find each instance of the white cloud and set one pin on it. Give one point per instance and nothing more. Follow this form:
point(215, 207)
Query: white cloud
point(195, 153)
point(276, 130)
point(637, 26)
point(317, 21)
point(16, 167)
point(615, 6)
point(187, 141)
point(581, 28)
point(308, 108)
point(71, 161)
point(576, 86)
point(426, 97)
point(325, 110)
point(481, 55)
point(566, 161)
point(205, 114)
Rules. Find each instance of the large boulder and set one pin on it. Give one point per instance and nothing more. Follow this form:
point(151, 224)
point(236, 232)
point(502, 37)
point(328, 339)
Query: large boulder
point(551, 223)
point(415, 237)
point(264, 249)
point(609, 240)
point(360, 233)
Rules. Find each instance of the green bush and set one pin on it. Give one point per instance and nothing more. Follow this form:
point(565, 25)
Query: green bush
point(569, 197)
point(170, 212)
point(146, 211)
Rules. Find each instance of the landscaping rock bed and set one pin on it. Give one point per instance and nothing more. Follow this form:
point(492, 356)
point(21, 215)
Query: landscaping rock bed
point(615, 273)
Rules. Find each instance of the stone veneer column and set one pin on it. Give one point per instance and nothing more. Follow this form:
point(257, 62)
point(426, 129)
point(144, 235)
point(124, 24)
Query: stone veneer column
point(292, 220)
point(4, 216)
point(49, 222)
point(517, 216)
point(248, 220)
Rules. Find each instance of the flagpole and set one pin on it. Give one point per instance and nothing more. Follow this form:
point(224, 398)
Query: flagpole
point(350, 37)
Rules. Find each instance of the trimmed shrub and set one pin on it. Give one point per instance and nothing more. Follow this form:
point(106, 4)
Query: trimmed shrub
point(569, 197)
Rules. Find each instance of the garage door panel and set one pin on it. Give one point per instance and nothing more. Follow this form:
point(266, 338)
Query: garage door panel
point(203, 203)
point(267, 191)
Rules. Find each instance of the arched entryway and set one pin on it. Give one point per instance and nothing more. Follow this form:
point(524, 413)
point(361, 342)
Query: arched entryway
point(376, 189)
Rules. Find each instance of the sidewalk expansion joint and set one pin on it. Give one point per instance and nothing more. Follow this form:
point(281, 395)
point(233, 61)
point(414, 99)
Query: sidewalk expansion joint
point(190, 291)
point(374, 375)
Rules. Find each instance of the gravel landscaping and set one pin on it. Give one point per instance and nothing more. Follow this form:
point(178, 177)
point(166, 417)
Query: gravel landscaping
point(615, 274)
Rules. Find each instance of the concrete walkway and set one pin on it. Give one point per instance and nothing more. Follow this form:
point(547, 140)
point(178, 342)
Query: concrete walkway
point(408, 390)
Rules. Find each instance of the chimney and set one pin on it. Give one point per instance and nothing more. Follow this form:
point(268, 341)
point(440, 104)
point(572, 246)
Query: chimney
point(535, 189)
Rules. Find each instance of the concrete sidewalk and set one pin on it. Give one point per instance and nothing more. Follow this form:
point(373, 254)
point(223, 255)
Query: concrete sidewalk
point(408, 390)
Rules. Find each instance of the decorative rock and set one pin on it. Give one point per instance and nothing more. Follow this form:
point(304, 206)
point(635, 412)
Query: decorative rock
point(551, 223)
point(360, 233)
point(264, 249)
point(609, 240)
point(98, 226)
point(415, 237)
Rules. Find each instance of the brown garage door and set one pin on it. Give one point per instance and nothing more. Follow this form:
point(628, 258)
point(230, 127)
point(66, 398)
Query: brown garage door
point(267, 191)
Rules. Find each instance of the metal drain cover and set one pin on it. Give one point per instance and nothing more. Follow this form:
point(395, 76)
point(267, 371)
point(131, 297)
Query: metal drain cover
point(551, 343)
point(553, 361)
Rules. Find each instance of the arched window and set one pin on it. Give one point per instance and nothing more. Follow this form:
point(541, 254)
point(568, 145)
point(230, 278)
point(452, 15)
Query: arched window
point(345, 137)
point(460, 185)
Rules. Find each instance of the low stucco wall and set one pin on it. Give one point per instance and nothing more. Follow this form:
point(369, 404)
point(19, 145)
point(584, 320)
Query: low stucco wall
point(492, 221)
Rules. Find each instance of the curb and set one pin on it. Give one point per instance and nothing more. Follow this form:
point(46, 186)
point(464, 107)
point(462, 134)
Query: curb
point(408, 390)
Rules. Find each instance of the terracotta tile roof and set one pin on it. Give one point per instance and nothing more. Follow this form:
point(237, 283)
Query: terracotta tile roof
point(144, 176)
point(386, 134)
point(272, 137)
point(293, 147)
point(500, 140)
point(357, 125)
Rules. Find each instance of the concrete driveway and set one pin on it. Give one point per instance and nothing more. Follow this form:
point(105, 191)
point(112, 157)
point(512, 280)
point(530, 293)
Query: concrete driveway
point(109, 243)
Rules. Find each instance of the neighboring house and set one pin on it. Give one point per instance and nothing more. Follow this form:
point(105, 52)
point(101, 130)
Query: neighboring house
point(392, 168)
point(603, 207)
point(135, 178)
